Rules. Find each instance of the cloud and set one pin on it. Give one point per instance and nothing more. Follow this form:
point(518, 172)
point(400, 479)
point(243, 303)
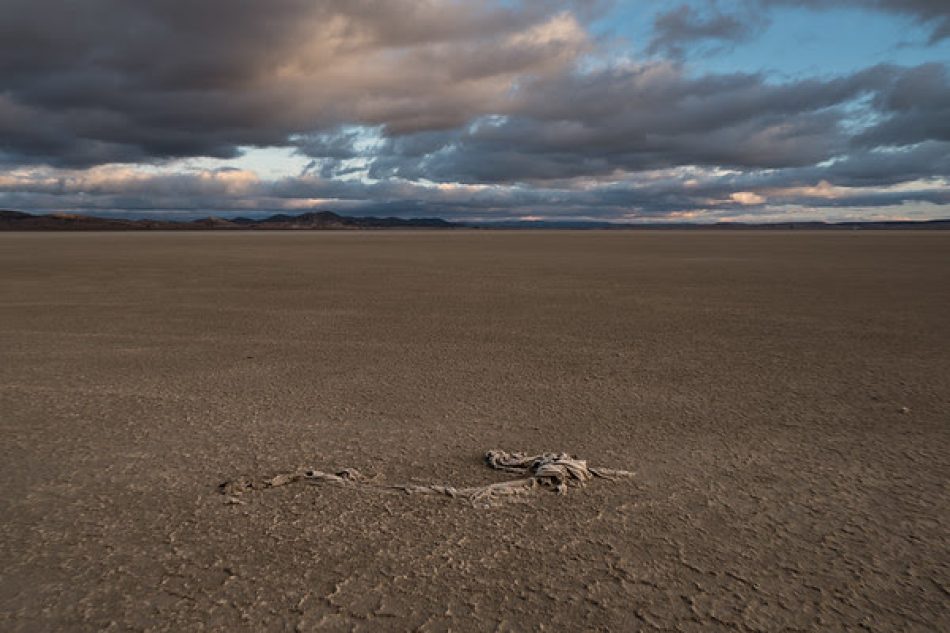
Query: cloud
point(444, 107)
point(934, 14)
point(688, 29)
point(654, 115)
point(747, 198)
point(108, 80)
point(682, 27)
point(706, 193)
point(914, 106)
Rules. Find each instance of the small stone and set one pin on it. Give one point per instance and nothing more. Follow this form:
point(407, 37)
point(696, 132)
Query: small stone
point(904, 410)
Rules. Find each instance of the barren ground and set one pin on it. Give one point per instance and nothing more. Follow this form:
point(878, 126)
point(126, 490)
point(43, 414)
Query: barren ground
point(756, 382)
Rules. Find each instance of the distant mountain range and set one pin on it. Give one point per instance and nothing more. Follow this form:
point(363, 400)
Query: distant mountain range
point(327, 220)
point(718, 226)
point(322, 220)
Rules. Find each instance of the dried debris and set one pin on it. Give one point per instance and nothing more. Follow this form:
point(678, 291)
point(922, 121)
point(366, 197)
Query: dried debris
point(553, 471)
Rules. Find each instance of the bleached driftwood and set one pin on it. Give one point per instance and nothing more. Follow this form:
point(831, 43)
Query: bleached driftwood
point(555, 471)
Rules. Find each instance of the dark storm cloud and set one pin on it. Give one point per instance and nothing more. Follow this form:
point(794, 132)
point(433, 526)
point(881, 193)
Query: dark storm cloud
point(459, 92)
point(885, 167)
point(655, 115)
point(915, 105)
point(679, 29)
point(109, 80)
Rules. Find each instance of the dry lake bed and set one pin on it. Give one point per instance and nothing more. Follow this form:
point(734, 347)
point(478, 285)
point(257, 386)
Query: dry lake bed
point(784, 398)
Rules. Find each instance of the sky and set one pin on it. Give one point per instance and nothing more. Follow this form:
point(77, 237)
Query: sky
point(636, 111)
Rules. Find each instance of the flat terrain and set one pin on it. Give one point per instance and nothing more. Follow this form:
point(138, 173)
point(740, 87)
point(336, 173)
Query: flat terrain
point(783, 397)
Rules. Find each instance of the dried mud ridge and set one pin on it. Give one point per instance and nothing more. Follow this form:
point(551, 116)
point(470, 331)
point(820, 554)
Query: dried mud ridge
point(551, 471)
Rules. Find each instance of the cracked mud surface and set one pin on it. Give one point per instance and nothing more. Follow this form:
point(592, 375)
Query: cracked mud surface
point(784, 399)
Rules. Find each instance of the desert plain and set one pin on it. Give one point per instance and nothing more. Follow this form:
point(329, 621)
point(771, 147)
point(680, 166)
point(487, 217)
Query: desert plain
point(783, 398)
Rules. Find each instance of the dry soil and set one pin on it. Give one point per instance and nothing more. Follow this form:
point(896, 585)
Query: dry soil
point(783, 398)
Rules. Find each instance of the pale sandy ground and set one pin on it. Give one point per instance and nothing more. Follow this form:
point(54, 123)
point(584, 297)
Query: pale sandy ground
point(753, 380)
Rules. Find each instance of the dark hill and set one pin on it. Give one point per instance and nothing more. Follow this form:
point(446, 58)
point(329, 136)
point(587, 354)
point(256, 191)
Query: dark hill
point(327, 220)
point(320, 220)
